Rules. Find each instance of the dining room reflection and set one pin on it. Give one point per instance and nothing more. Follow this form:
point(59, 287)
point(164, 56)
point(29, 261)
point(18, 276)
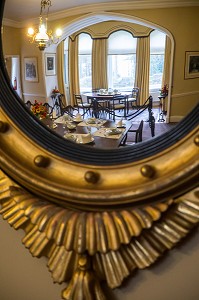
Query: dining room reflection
point(109, 81)
point(112, 64)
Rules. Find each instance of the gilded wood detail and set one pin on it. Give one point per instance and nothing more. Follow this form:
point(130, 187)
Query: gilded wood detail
point(84, 248)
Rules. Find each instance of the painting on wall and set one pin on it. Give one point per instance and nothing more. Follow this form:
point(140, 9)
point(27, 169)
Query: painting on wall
point(50, 64)
point(30, 69)
point(191, 64)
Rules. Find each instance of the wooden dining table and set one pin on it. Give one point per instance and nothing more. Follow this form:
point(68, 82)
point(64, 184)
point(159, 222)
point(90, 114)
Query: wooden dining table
point(97, 131)
point(103, 96)
point(105, 99)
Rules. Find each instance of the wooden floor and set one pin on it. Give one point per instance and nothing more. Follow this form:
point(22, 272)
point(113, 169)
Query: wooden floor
point(160, 128)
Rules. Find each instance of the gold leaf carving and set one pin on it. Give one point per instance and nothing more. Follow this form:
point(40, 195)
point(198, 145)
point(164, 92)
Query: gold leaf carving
point(84, 248)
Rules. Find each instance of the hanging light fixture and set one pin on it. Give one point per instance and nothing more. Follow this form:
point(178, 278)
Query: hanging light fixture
point(42, 37)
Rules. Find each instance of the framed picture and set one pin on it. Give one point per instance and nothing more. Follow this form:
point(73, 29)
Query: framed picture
point(30, 69)
point(50, 64)
point(191, 64)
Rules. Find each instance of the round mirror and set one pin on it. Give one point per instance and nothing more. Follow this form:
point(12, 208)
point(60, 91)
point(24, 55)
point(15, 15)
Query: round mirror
point(51, 149)
point(104, 212)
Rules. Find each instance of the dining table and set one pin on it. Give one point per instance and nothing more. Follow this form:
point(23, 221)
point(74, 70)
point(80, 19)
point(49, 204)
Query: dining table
point(104, 99)
point(92, 132)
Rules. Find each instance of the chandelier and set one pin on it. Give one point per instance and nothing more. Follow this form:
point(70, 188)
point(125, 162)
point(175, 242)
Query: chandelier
point(42, 36)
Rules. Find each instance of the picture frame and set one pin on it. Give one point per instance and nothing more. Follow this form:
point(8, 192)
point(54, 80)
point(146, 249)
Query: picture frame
point(50, 64)
point(191, 64)
point(30, 69)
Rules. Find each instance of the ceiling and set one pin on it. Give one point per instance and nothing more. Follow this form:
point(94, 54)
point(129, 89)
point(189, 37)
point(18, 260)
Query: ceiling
point(22, 10)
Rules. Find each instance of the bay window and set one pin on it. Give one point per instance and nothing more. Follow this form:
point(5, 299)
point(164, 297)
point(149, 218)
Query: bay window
point(121, 60)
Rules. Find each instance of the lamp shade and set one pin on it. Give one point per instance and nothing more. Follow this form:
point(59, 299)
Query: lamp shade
point(41, 35)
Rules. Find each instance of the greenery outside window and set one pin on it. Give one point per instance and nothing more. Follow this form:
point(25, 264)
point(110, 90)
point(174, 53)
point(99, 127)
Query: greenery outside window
point(85, 62)
point(157, 52)
point(121, 60)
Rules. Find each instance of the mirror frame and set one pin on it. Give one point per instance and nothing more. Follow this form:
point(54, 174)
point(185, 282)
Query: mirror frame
point(123, 191)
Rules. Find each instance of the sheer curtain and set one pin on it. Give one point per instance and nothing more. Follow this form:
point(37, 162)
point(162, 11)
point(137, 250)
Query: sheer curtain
point(143, 67)
point(99, 64)
point(73, 70)
point(60, 72)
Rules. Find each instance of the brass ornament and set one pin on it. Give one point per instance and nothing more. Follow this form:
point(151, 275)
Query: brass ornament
point(3, 127)
point(196, 140)
point(92, 177)
point(41, 161)
point(147, 171)
point(85, 248)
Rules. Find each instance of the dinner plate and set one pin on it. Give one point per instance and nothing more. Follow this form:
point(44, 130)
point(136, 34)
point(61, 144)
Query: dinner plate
point(71, 126)
point(77, 120)
point(113, 132)
point(91, 141)
point(70, 137)
point(91, 121)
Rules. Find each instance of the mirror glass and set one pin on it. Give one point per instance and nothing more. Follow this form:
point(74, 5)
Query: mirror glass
point(48, 80)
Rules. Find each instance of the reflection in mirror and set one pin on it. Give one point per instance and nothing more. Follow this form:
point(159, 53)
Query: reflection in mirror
point(114, 88)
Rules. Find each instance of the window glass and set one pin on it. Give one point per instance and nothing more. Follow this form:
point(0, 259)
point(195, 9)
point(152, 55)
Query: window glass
point(157, 50)
point(85, 61)
point(121, 60)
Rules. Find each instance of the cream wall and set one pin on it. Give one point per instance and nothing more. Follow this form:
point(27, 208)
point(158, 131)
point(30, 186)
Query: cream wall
point(23, 277)
point(183, 23)
point(11, 39)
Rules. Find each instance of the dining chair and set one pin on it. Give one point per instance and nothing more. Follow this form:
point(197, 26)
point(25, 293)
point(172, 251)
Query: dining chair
point(133, 99)
point(102, 112)
point(126, 141)
point(28, 104)
point(69, 110)
point(118, 103)
point(85, 106)
point(49, 108)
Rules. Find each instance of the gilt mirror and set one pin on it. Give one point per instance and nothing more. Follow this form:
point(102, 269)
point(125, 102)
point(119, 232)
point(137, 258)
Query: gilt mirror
point(91, 207)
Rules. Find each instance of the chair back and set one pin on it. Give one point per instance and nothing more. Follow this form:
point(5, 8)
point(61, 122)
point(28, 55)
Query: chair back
point(138, 134)
point(69, 110)
point(49, 108)
point(118, 102)
point(28, 104)
point(101, 112)
point(135, 95)
point(78, 99)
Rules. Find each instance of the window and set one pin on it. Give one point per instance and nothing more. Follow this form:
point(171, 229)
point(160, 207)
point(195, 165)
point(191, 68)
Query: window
point(157, 49)
point(85, 61)
point(121, 60)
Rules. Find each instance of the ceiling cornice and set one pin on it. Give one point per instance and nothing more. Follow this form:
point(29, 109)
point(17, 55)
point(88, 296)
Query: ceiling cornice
point(101, 7)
